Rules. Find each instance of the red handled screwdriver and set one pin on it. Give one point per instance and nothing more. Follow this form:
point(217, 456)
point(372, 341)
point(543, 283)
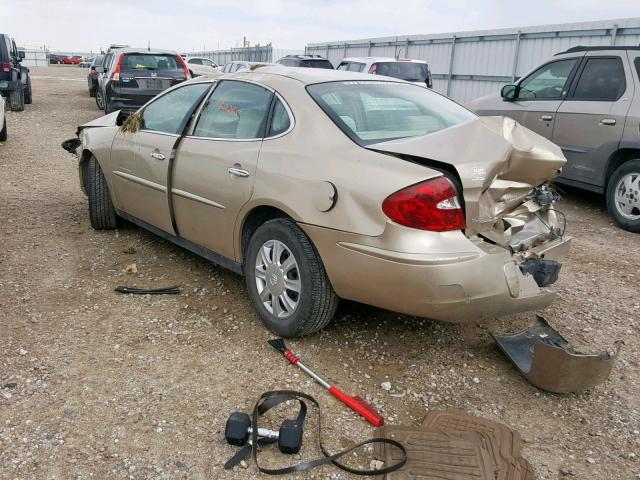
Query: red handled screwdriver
point(357, 404)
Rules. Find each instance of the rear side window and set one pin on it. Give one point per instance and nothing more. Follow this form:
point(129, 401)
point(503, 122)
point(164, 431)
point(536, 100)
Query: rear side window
point(601, 79)
point(195, 61)
point(135, 62)
point(235, 111)
point(356, 67)
point(280, 121)
point(372, 112)
point(637, 63)
point(168, 113)
point(343, 66)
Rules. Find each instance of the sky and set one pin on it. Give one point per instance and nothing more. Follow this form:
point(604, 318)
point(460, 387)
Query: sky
point(188, 25)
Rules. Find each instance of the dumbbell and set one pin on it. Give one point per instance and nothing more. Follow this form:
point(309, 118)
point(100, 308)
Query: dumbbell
point(238, 430)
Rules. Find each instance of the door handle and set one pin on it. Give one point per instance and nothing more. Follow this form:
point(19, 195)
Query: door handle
point(157, 156)
point(546, 118)
point(238, 172)
point(608, 121)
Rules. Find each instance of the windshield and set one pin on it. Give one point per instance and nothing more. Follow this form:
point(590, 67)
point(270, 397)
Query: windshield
point(372, 112)
point(409, 71)
point(140, 61)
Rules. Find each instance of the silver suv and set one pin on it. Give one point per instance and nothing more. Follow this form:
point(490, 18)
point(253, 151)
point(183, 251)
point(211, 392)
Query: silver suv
point(587, 100)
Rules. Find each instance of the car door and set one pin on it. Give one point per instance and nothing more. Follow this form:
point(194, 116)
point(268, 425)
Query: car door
point(590, 122)
point(140, 161)
point(539, 95)
point(216, 164)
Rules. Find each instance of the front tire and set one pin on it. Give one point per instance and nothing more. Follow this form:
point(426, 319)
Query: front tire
point(16, 99)
point(623, 195)
point(101, 211)
point(286, 280)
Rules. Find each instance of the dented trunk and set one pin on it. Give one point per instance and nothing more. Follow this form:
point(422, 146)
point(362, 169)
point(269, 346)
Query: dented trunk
point(502, 168)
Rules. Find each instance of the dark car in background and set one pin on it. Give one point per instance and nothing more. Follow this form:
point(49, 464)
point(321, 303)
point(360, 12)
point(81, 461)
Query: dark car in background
point(133, 76)
point(308, 61)
point(92, 76)
point(15, 82)
point(56, 59)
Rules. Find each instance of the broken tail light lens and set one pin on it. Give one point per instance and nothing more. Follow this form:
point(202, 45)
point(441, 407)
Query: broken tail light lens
point(432, 205)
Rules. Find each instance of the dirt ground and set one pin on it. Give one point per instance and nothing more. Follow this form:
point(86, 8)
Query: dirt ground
point(94, 384)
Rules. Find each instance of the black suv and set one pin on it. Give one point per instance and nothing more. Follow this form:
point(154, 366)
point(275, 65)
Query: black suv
point(15, 82)
point(309, 61)
point(130, 77)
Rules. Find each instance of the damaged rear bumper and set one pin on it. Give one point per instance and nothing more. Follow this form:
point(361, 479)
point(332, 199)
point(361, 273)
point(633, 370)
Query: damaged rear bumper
point(467, 281)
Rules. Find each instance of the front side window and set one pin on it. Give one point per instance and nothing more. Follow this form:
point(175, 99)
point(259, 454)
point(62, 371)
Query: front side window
point(601, 79)
point(195, 61)
point(371, 111)
point(168, 114)
point(235, 110)
point(343, 66)
point(207, 62)
point(548, 82)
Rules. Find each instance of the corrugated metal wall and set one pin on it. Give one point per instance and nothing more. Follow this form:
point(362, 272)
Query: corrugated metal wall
point(467, 65)
point(259, 53)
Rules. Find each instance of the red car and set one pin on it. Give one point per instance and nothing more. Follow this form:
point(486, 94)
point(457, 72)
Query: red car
point(75, 60)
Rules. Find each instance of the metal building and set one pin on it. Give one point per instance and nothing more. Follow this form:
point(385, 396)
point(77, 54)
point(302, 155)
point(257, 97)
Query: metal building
point(467, 65)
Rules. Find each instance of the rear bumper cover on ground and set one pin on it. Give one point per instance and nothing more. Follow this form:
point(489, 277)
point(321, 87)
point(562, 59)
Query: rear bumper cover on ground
point(456, 281)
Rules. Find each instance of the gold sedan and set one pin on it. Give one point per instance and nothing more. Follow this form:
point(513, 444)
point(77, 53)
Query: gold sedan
point(320, 184)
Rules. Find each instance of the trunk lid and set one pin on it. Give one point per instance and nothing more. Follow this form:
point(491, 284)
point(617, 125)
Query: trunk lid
point(498, 162)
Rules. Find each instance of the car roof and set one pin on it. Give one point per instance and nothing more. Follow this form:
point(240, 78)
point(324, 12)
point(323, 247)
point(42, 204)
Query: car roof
point(581, 48)
point(306, 76)
point(381, 59)
point(151, 51)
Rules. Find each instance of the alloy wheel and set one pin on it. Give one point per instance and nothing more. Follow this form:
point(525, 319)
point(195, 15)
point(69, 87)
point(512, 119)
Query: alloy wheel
point(627, 196)
point(278, 279)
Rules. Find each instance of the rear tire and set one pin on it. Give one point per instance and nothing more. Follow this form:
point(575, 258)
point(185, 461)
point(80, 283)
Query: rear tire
point(623, 195)
point(99, 99)
point(3, 132)
point(28, 93)
point(16, 100)
point(101, 211)
point(315, 301)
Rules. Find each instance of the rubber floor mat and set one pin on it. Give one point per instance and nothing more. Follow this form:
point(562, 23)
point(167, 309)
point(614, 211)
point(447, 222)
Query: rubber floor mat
point(437, 455)
point(504, 444)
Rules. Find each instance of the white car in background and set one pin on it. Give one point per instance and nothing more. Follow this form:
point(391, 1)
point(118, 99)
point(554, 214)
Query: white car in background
point(414, 71)
point(3, 130)
point(201, 66)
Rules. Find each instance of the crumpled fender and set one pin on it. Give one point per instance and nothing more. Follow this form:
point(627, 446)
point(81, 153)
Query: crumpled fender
point(550, 363)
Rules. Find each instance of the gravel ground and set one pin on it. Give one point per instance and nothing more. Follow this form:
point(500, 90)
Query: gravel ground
point(99, 385)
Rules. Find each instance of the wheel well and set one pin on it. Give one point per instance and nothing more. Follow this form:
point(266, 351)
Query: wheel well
point(86, 155)
point(618, 158)
point(257, 217)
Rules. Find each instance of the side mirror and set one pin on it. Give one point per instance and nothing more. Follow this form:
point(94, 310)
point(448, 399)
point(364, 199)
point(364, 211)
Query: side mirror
point(21, 54)
point(509, 92)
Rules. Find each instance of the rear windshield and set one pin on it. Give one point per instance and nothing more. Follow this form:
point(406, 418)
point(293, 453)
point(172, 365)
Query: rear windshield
point(410, 71)
point(144, 61)
point(372, 112)
point(316, 64)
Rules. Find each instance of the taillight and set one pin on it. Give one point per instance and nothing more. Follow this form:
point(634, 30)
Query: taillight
point(116, 73)
point(6, 67)
point(184, 67)
point(432, 205)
